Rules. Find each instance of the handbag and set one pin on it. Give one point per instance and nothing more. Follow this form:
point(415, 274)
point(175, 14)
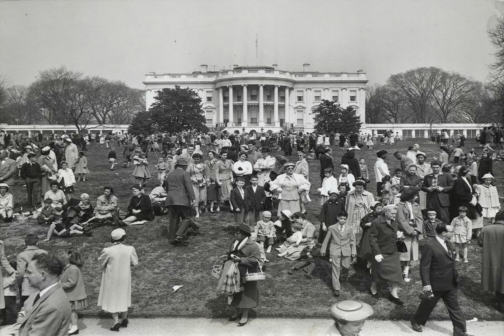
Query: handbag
point(257, 276)
point(401, 246)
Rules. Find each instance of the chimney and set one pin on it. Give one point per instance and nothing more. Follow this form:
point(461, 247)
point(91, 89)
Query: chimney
point(306, 66)
point(235, 65)
point(205, 67)
point(275, 65)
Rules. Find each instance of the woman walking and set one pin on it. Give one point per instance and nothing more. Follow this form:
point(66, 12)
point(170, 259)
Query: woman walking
point(224, 176)
point(199, 178)
point(115, 291)
point(358, 205)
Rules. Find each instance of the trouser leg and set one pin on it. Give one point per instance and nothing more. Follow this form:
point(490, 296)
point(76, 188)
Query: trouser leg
point(425, 308)
point(456, 315)
point(29, 187)
point(174, 222)
point(336, 267)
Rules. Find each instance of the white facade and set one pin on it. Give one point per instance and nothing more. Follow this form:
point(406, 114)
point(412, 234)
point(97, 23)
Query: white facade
point(264, 97)
point(413, 131)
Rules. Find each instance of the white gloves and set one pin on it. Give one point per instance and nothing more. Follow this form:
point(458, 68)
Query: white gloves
point(378, 258)
point(400, 234)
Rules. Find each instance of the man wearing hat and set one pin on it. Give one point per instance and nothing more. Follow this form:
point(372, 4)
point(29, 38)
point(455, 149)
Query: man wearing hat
point(115, 290)
point(71, 153)
point(31, 173)
point(180, 199)
point(349, 317)
point(8, 168)
point(438, 187)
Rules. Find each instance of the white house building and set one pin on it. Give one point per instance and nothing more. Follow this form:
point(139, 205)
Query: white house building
point(255, 97)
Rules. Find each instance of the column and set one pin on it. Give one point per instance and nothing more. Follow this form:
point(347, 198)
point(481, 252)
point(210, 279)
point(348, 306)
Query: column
point(287, 106)
point(29, 133)
point(362, 105)
point(327, 94)
point(275, 107)
point(230, 109)
point(309, 103)
point(261, 105)
point(426, 134)
point(245, 107)
point(343, 98)
point(221, 106)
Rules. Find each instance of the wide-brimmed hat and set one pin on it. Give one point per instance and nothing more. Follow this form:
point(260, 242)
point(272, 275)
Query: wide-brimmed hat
point(4, 185)
point(486, 176)
point(333, 191)
point(344, 166)
point(421, 154)
point(181, 162)
point(351, 311)
point(68, 139)
point(286, 213)
point(117, 234)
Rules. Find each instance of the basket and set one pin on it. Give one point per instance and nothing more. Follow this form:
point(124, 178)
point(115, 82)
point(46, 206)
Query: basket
point(218, 265)
point(258, 276)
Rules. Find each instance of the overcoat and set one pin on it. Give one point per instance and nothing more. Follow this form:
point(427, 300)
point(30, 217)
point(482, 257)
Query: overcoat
point(179, 190)
point(491, 239)
point(115, 291)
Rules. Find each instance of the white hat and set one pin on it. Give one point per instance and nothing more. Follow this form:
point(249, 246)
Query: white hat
point(333, 191)
point(29, 146)
point(68, 139)
point(287, 213)
point(117, 234)
point(487, 176)
point(420, 153)
point(266, 214)
point(351, 311)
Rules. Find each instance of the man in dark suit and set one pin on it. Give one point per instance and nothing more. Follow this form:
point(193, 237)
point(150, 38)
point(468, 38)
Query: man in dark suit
point(438, 187)
point(46, 313)
point(179, 200)
point(8, 168)
point(256, 200)
point(438, 273)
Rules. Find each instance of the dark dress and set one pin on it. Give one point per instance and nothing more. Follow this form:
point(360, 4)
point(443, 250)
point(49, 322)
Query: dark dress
point(142, 203)
point(287, 147)
point(461, 195)
point(485, 166)
point(364, 251)
point(325, 162)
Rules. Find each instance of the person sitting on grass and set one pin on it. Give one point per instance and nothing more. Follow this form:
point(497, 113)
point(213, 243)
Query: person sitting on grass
point(139, 209)
point(293, 240)
point(6, 203)
point(57, 196)
point(266, 231)
point(47, 214)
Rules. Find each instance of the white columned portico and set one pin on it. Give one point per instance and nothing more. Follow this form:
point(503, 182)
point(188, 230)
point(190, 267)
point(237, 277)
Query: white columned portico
point(245, 107)
point(261, 105)
point(275, 107)
point(309, 103)
point(221, 106)
point(230, 109)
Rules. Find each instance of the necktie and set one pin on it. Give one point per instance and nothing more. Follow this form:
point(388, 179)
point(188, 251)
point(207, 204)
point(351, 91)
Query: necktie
point(36, 298)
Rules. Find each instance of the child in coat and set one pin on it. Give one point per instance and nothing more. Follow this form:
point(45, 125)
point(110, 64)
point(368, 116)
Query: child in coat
point(141, 173)
point(47, 214)
point(488, 199)
point(112, 157)
point(310, 258)
point(72, 282)
point(66, 180)
point(430, 224)
point(81, 167)
point(266, 231)
point(161, 167)
point(329, 183)
point(462, 233)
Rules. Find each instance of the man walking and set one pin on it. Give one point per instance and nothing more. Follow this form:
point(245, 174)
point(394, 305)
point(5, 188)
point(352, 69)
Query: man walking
point(179, 200)
point(439, 277)
point(491, 239)
point(438, 187)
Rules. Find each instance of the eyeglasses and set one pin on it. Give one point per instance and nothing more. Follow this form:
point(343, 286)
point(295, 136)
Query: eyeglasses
point(289, 168)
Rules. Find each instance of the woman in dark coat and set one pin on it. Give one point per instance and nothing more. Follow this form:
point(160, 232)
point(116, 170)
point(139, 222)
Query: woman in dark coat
point(246, 252)
point(461, 195)
point(364, 252)
point(325, 162)
point(342, 140)
point(286, 146)
point(386, 263)
point(139, 209)
point(485, 165)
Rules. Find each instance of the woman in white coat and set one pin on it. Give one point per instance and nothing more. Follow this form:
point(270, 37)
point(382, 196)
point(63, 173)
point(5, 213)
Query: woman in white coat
point(115, 291)
point(289, 186)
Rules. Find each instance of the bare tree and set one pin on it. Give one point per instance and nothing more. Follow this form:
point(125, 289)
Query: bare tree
point(19, 108)
point(416, 88)
point(451, 91)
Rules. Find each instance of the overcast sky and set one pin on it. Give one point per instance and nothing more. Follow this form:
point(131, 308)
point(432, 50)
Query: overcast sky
point(124, 40)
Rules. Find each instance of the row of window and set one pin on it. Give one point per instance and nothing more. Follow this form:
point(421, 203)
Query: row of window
point(406, 134)
point(300, 96)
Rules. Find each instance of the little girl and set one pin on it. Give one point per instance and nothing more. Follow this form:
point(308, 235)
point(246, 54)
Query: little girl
point(346, 177)
point(369, 142)
point(294, 239)
point(488, 199)
point(66, 180)
point(141, 173)
point(329, 183)
point(72, 283)
point(161, 169)
point(396, 180)
point(364, 170)
point(386, 183)
point(81, 168)
point(462, 232)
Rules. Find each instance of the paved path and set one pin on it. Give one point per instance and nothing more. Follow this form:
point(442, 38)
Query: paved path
point(272, 327)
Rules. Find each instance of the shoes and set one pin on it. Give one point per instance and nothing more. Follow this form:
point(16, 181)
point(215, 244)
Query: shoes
point(73, 330)
point(415, 326)
point(211, 211)
point(375, 295)
point(395, 300)
point(124, 323)
point(234, 318)
point(466, 260)
point(336, 293)
point(406, 277)
point(116, 327)
point(241, 324)
point(457, 259)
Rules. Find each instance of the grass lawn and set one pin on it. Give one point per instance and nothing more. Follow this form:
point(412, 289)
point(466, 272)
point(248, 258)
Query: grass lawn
point(163, 266)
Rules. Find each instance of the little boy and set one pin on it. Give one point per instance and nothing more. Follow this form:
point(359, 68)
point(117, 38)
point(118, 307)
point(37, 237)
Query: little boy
point(430, 224)
point(47, 213)
point(457, 153)
point(396, 180)
point(256, 200)
point(266, 231)
point(364, 171)
point(342, 249)
point(161, 167)
point(238, 199)
point(395, 195)
point(112, 156)
point(310, 258)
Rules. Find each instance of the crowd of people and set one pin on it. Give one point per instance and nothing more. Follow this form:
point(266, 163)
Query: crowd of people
point(420, 205)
